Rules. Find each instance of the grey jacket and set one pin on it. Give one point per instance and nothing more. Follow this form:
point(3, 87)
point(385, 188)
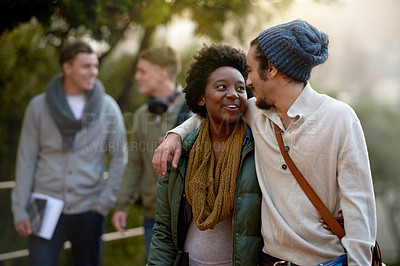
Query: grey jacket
point(78, 177)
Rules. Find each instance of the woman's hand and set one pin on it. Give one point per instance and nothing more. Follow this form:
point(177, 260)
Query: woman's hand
point(339, 219)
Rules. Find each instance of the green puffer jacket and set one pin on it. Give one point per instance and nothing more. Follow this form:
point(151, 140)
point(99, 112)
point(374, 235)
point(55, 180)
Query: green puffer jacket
point(173, 213)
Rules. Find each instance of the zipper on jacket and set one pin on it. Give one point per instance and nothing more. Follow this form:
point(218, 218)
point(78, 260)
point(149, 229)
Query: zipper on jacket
point(234, 208)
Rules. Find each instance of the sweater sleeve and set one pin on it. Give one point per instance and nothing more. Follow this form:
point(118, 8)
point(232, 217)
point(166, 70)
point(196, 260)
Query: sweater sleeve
point(27, 157)
point(117, 152)
point(252, 112)
point(162, 248)
point(132, 177)
point(188, 126)
point(358, 200)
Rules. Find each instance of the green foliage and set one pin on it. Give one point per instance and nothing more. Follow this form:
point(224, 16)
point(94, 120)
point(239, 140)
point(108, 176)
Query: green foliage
point(125, 252)
point(381, 126)
point(7, 233)
point(102, 17)
point(151, 12)
point(129, 251)
point(218, 11)
point(28, 63)
point(115, 73)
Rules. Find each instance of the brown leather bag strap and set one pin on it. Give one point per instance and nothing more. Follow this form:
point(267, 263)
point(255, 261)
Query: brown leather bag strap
point(312, 196)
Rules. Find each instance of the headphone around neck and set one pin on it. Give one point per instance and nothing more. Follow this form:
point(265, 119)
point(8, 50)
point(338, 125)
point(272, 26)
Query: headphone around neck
point(159, 106)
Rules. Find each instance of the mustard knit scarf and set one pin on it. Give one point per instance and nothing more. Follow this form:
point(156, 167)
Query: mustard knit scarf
point(210, 189)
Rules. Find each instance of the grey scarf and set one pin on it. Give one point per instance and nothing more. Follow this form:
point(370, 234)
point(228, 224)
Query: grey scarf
point(62, 114)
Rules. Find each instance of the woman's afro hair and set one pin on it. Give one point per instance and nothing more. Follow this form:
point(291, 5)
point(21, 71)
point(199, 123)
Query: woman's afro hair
point(206, 61)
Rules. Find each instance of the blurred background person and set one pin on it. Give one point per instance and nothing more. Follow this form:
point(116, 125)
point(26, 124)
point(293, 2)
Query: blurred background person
point(157, 70)
point(66, 134)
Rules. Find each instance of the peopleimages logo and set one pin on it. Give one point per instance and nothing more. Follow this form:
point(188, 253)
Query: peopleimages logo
point(132, 122)
point(142, 146)
point(146, 121)
point(98, 146)
point(112, 146)
point(107, 126)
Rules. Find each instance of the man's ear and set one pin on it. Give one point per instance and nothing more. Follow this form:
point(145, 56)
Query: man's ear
point(271, 70)
point(163, 75)
point(201, 101)
point(66, 67)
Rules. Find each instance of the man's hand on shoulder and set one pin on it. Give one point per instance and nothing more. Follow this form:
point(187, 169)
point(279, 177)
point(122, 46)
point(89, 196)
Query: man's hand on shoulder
point(169, 151)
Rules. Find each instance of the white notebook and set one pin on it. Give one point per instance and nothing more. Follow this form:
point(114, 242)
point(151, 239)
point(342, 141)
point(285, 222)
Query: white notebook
point(51, 215)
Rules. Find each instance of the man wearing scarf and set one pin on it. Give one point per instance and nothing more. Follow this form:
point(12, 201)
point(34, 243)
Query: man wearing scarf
point(67, 133)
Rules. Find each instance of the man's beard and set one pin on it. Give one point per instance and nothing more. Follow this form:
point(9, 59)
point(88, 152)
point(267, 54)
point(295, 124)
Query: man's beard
point(260, 103)
point(263, 105)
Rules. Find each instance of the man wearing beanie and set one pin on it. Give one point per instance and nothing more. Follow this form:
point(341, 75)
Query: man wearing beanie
point(324, 139)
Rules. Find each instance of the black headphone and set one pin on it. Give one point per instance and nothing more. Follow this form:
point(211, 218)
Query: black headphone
point(159, 106)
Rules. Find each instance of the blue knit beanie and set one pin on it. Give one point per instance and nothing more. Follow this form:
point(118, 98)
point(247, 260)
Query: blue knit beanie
point(294, 48)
